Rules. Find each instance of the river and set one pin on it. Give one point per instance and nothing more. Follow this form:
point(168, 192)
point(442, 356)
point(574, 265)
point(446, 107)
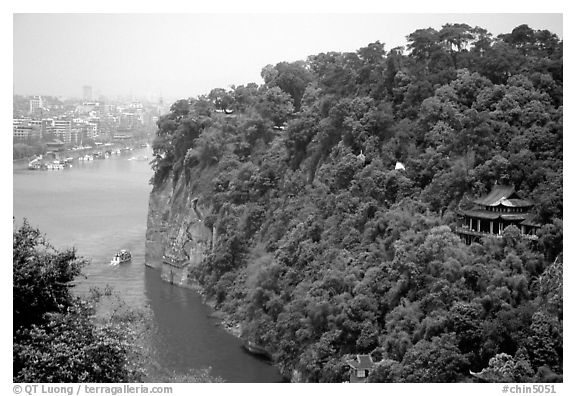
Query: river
point(100, 207)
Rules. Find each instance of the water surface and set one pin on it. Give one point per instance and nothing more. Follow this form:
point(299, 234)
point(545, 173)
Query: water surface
point(100, 207)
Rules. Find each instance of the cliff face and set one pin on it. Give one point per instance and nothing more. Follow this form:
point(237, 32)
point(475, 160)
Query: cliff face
point(176, 236)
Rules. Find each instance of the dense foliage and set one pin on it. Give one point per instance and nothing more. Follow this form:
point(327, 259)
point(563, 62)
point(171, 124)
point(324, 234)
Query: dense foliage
point(326, 250)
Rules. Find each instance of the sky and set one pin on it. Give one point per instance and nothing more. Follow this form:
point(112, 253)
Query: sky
point(183, 55)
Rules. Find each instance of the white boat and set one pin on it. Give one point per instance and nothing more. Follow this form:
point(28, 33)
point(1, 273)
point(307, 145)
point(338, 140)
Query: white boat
point(34, 164)
point(56, 165)
point(123, 256)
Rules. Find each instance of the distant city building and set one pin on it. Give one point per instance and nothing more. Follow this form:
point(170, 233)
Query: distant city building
point(87, 128)
point(20, 121)
point(136, 105)
point(36, 105)
point(122, 134)
point(73, 121)
point(87, 92)
point(62, 129)
point(47, 125)
point(22, 132)
point(55, 145)
point(24, 129)
point(88, 107)
point(130, 119)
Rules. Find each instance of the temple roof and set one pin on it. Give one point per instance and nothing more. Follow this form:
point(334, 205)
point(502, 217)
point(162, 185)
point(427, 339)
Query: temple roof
point(362, 362)
point(503, 195)
point(480, 213)
point(516, 203)
point(524, 218)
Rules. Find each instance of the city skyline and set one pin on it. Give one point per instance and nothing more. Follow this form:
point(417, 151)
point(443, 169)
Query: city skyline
point(178, 56)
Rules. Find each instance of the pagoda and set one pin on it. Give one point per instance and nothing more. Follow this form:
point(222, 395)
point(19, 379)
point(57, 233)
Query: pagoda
point(494, 212)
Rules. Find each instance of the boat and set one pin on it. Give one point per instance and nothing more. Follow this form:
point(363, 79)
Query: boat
point(122, 256)
point(35, 163)
point(255, 349)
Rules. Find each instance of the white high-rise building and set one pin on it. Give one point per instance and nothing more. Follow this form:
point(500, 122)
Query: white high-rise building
point(35, 104)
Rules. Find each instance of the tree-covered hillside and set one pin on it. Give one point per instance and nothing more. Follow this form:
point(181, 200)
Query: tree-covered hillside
point(325, 250)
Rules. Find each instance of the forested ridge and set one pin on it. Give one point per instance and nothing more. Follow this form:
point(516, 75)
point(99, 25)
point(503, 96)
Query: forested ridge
point(325, 250)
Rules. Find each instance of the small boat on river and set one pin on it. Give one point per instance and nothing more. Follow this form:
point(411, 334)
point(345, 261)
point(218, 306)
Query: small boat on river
point(123, 256)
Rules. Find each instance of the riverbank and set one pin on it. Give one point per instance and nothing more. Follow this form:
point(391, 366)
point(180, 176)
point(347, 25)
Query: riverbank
point(224, 320)
point(80, 151)
point(177, 239)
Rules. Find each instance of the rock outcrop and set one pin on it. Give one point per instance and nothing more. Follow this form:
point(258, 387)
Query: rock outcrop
point(176, 236)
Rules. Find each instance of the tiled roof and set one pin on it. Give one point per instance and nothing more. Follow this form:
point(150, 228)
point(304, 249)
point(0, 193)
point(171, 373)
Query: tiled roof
point(517, 203)
point(526, 218)
point(497, 193)
point(481, 214)
point(362, 362)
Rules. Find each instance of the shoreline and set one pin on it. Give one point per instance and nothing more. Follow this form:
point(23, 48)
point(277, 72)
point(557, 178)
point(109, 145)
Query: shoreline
point(224, 320)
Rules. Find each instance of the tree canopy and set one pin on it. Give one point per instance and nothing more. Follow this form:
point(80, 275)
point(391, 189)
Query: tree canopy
point(325, 250)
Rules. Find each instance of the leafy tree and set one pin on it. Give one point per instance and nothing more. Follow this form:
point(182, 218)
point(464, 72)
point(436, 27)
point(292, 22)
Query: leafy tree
point(56, 338)
point(275, 105)
point(506, 368)
point(438, 360)
point(41, 278)
point(221, 99)
point(291, 78)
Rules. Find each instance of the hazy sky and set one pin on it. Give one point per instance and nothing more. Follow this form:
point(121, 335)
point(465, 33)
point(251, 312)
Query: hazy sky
point(182, 55)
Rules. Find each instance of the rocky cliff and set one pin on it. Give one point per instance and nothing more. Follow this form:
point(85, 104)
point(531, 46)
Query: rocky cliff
point(176, 235)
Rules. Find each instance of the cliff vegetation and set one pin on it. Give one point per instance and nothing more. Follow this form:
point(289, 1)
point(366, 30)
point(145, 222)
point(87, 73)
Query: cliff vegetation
point(325, 250)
